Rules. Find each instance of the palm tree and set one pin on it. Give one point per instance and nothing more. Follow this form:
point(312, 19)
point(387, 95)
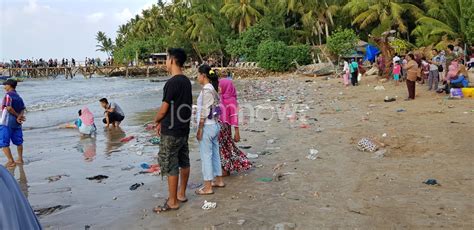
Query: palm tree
point(383, 14)
point(242, 13)
point(105, 44)
point(444, 18)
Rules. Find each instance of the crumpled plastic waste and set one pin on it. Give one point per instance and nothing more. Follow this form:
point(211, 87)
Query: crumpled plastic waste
point(135, 186)
point(313, 154)
point(155, 140)
point(365, 144)
point(209, 205)
point(127, 139)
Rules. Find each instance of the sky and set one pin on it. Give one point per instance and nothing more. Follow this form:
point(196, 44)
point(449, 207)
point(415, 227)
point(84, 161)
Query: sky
point(61, 28)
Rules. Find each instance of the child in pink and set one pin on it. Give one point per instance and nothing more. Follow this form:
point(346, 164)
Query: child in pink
point(397, 68)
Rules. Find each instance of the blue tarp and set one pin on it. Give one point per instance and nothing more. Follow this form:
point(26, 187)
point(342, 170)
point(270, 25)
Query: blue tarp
point(370, 52)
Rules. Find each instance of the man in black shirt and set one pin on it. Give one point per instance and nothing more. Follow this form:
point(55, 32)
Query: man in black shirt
point(172, 122)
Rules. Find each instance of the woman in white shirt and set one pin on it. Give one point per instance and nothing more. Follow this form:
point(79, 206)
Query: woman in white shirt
point(208, 130)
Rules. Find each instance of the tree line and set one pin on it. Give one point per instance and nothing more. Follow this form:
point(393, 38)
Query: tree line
point(249, 29)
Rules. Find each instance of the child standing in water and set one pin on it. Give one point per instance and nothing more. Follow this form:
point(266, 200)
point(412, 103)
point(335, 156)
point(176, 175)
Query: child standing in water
point(397, 68)
point(85, 122)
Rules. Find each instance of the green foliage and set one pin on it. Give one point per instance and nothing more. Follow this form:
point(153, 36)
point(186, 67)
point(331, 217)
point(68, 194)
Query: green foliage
point(401, 46)
point(342, 42)
point(225, 29)
point(274, 56)
point(300, 54)
point(105, 43)
point(277, 56)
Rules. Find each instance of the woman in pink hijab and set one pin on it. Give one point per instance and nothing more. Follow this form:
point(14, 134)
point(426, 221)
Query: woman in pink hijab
point(453, 71)
point(85, 122)
point(232, 158)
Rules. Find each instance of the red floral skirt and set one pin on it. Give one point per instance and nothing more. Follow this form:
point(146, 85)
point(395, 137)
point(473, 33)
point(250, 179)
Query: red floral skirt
point(232, 158)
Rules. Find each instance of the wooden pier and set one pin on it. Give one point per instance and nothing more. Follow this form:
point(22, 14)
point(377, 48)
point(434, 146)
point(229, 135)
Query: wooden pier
point(87, 71)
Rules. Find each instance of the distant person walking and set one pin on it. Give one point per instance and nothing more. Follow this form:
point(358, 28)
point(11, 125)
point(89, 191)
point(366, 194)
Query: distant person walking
point(354, 72)
point(173, 120)
point(346, 71)
point(13, 110)
point(114, 115)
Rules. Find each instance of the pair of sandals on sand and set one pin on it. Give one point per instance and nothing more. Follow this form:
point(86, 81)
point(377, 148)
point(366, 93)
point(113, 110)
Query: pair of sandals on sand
point(200, 191)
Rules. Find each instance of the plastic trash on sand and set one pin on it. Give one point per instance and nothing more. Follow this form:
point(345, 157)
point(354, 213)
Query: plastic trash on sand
point(127, 139)
point(209, 205)
point(367, 145)
point(379, 88)
point(252, 156)
point(313, 154)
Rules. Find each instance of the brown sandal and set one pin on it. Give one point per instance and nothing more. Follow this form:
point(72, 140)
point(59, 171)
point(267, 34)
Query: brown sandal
point(164, 208)
point(202, 193)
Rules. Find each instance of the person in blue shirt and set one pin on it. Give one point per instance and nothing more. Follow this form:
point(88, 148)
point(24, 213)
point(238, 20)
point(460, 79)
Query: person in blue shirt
point(13, 116)
point(354, 67)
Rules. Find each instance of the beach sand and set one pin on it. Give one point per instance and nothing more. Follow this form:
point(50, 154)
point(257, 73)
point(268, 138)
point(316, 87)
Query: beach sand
point(342, 188)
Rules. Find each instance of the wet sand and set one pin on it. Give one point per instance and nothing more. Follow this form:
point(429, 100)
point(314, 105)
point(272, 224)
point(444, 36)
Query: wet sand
point(342, 188)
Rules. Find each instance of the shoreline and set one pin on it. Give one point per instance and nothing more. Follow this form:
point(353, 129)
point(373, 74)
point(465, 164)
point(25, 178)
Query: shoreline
point(341, 188)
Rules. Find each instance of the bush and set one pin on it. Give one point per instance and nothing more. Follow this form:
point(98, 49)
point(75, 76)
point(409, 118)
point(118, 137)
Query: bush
point(274, 56)
point(342, 42)
point(301, 53)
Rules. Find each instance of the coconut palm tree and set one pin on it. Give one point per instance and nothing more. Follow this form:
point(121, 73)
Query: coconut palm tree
point(242, 13)
point(449, 18)
point(381, 14)
point(105, 44)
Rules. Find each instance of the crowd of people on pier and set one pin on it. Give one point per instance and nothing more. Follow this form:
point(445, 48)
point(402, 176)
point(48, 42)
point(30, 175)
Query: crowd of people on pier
point(64, 62)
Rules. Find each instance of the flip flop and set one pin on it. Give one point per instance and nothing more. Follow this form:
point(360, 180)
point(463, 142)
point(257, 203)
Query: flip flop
point(164, 208)
point(183, 201)
point(202, 193)
point(218, 186)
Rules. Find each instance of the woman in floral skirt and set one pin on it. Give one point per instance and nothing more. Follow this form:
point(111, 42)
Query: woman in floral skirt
point(232, 158)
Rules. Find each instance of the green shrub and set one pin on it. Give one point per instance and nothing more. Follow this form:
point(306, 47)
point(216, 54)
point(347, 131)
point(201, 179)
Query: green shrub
point(342, 42)
point(274, 56)
point(301, 53)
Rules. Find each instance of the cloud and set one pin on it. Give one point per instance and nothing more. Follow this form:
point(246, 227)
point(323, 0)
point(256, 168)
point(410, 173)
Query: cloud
point(95, 17)
point(124, 15)
point(34, 7)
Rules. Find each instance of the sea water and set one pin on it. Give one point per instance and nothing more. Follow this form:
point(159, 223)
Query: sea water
point(54, 102)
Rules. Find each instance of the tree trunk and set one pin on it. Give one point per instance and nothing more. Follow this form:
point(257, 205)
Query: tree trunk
point(197, 52)
point(327, 30)
point(320, 39)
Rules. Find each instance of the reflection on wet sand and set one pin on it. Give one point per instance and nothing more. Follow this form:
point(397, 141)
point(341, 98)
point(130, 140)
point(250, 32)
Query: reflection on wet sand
point(22, 181)
point(113, 137)
point(88, 147)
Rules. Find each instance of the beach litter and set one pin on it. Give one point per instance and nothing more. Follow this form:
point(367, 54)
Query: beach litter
point(252, 156)
point(209, 205)
point(313, 154)
point(135, 186)
point(154, 168)
point(387, 99)
point(271, 141)
point(285, 226)
point(379, 88)
point(245, 147)
point(127, 139)
point(401, 110)
point(56, 178)
point(367, 145)
point(46, 211)
point(155, 140)
point(127, 168)
point(98, 178)
point(265, 179)
point(278, 166)
point(431, 182)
